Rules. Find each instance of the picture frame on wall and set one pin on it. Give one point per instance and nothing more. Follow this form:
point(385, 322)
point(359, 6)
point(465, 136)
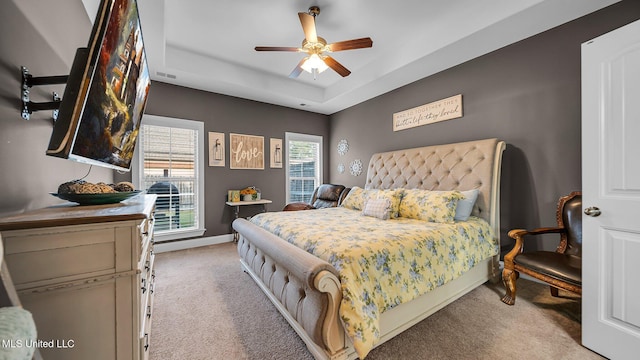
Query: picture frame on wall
point(216, 149)
point(246, 151)
point(276, 154)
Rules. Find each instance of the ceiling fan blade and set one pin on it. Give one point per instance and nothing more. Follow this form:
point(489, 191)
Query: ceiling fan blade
point(351, 44)
point(336, 66)
point(298, 70)
point(276, 48)
point(308, 26)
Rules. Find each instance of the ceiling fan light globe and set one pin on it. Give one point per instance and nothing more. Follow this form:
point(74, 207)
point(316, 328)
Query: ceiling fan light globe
point(314, 62)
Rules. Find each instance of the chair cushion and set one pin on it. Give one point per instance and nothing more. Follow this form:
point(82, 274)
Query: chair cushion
point(572, 221)
point(321, 203)
point(567, 268)
point(327, 195)
point(297, 206)
point(329, 192)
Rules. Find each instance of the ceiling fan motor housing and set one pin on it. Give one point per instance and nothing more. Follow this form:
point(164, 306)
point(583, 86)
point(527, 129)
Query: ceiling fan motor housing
point(315, 47)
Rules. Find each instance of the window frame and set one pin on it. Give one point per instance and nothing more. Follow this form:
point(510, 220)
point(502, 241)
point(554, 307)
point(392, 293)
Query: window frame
point(137, 171)
point(291, 136)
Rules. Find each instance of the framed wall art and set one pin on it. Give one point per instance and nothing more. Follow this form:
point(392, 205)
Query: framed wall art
point(246, 151)
point(216, 149)
point(445, 109)
point(276, 153)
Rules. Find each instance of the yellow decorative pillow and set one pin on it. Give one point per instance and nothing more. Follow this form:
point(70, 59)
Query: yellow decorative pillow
point(355, 198)
point(433, 206)
point(358, 196)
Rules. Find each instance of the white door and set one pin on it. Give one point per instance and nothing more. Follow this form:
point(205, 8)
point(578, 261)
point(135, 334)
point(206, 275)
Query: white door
point(611, 187)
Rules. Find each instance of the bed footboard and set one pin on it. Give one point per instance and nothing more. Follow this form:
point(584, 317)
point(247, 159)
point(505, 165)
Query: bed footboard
point(304, 288)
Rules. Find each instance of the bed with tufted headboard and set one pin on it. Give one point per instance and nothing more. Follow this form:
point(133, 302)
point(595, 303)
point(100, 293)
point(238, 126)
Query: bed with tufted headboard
point(311, 291)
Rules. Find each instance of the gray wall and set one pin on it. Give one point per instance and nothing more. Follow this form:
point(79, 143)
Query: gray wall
point(527, 94)
point(36, 36)
point(33, 35)
point(228, 114)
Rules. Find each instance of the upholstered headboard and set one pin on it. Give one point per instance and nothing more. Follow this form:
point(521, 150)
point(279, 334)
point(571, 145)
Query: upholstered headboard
point(459, 166)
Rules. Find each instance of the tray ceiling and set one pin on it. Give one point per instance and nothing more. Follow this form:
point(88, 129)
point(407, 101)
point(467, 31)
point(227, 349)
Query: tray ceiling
point(209, 45)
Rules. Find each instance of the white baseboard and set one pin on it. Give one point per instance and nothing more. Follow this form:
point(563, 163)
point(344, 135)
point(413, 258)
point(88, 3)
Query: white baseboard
point(191, 243)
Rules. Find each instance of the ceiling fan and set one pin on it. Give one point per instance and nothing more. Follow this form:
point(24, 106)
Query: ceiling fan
point(316, 47)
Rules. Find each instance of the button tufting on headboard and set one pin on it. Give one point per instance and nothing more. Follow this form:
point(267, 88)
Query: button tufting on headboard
point(461, 166)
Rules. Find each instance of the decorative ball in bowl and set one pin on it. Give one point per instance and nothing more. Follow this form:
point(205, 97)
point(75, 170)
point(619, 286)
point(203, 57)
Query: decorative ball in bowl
point(86, 193)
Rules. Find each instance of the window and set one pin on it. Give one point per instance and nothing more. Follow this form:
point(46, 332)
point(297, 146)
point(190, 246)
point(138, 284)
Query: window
point(303, 166)
point(169, 162)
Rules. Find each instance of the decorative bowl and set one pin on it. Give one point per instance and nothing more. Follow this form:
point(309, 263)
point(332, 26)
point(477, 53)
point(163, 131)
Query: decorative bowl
point(98, 199)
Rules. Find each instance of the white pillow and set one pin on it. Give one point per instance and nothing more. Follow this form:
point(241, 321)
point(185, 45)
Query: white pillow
point(465, 206)
point(379, 208)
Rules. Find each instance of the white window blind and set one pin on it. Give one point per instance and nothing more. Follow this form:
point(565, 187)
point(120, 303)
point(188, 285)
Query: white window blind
point(304, 166)
point(170, 157)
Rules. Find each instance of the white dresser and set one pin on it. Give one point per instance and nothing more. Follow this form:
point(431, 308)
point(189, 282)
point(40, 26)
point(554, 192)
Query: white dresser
point(86, 274)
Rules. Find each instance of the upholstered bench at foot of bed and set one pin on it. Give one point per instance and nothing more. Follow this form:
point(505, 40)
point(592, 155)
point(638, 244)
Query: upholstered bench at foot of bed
point(303, 287)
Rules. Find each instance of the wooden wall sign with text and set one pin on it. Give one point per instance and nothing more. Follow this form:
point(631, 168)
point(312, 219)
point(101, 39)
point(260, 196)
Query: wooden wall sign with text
point(246, 151)
point(445, 109)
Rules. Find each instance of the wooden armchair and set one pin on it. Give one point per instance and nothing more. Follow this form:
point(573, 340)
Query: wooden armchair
point(325, 195)
point(561, 269)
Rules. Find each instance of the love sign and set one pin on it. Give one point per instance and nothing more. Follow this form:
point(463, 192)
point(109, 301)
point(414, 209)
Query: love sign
point(247, 151)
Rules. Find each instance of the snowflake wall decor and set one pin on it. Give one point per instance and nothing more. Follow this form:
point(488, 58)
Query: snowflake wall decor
point(356, 167)
point(340, 168)
point(343, 147)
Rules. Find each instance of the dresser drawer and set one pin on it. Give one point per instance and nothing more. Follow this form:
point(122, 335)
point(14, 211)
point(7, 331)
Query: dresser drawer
point(146, 231)
point(147, 283)
point(145, 234)
point(144, 344)
point(146, 306)
point(45, 257)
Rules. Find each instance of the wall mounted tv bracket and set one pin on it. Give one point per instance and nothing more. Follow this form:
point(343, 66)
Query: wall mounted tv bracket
point(29, 106)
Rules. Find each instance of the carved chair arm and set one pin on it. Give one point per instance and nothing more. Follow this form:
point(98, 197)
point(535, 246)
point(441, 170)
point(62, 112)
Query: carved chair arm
point(518, 236)
point(538, 231)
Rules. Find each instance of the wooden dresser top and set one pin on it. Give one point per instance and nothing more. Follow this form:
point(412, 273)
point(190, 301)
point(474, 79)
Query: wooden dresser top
point(139, 207)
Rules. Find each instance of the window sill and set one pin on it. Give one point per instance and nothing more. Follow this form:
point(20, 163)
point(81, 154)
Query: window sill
point(178, 235)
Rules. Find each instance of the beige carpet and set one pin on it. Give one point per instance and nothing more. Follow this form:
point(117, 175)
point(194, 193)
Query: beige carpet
point(207, 308)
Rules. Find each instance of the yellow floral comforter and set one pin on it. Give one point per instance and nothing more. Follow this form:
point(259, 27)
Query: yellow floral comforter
point(382, 263)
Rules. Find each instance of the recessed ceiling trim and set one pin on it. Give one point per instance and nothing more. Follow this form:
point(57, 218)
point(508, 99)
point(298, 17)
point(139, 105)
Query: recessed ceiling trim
point(420, 56)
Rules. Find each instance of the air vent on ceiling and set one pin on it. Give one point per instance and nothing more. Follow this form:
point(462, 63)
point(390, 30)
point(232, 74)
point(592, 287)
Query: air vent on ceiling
point(170, 76)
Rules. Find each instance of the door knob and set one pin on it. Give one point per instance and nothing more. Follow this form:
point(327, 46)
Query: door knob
point(592, 211)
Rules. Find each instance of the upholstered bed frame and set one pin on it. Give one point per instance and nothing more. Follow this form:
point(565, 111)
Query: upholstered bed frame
point(306, 289)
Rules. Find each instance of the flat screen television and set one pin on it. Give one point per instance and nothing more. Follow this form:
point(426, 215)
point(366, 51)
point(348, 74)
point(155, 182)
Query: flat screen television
point(106, 92)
